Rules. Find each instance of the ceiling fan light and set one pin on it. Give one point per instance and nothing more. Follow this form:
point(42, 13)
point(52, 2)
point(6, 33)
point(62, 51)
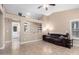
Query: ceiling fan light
point(45, 6)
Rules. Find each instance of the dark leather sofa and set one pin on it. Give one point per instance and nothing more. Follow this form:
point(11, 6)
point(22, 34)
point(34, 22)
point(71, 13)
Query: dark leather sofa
point(59, 39)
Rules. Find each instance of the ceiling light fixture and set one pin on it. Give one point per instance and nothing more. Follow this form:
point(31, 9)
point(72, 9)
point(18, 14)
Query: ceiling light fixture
point(28, 14)
point(46, 6)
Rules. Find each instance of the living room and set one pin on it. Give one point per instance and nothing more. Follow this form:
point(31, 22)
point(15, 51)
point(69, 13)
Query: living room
point(50, 29)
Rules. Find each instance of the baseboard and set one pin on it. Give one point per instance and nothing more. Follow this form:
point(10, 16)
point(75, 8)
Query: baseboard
point(20, 43)
point(31, 41)
point(7, 42)
point(76, 43)
point(2, 47)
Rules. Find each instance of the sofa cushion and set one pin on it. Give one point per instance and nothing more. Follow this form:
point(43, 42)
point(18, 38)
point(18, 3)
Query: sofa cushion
point(61, 37)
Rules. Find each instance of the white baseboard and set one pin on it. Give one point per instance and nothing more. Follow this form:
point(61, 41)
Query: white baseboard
point(20, 43)
point(2, 47)
point(4, 44)
point(7, 42)
point(30, 41)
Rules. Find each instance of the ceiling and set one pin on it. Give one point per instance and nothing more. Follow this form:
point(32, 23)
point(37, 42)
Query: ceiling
point(32, 9)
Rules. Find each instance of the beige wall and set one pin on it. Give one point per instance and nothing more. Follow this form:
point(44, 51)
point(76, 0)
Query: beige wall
point(24, 36)
point(59, 22)
point(8, 29)
point(2, 27)
point(1, 30)
point(31, 33)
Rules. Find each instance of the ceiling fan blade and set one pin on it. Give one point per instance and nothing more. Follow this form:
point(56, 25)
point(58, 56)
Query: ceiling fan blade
point(52, 4)
point(40, 7)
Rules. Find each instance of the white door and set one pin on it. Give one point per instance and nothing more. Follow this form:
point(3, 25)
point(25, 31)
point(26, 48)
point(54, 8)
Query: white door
point(15, 34)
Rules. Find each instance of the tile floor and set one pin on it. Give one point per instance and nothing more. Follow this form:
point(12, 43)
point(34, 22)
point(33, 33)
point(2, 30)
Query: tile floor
point(39, 48)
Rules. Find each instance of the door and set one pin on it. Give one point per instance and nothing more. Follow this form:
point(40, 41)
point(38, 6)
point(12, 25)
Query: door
point(15, 34)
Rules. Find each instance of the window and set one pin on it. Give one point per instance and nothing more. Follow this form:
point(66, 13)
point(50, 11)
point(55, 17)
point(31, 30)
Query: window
point(15, 28)
point(75, 28)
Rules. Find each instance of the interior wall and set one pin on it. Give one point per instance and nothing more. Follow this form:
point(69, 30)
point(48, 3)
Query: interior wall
point(31, 34)
point(1, 30)
point(8, 29)
point(24, 36)
point(59, 22)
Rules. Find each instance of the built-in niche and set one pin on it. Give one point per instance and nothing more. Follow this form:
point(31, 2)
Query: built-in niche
point(32, 27)
point(25, 27)
point(40, 28)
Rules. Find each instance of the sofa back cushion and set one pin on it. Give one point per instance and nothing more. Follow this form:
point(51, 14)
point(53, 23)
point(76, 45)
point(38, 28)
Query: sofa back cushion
point(57, 35)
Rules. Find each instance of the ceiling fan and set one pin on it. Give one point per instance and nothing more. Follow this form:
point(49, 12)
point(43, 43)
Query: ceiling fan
point(45, 6)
